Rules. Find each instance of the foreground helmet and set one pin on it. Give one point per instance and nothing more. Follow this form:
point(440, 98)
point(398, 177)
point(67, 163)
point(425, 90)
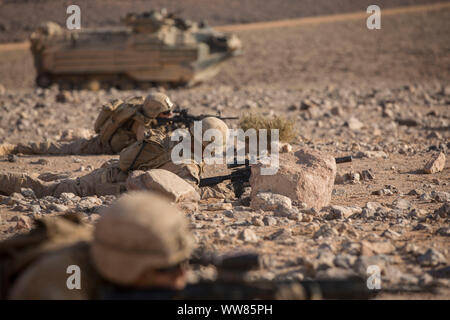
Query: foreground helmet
point(212, 123)
point(156, 103)
point(140, 231)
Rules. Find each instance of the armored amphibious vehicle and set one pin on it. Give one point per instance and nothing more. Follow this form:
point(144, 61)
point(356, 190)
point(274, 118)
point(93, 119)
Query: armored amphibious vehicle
point(153, 48)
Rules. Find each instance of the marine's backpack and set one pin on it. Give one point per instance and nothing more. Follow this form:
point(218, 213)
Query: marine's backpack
point(151, 153)
point(114, 121)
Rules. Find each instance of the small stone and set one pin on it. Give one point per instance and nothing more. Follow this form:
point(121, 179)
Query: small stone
point(229, 213)
point(425, 279)
point(325, 231)
point(444, 231)
point(401, 204)
point(88, 204)
point(440, 196)
point(295, 216)
point(415, 192)
point(422, 226)
point(248, 235)
point(354, 124)
point(219, 234)
point(325, 260)
point(16, 197)
point(443, 212)
point(268, 201)
point(63, 96)
point(282, 234)
point(367, 175)
point(344, 261)
point(434, 135)
point(338, 192)
point(269, 221)
point(41, 162)
point(256, 221)
point(58, 207)
point(12, 158)
point(27, 193)
point(372, 154)
point(340, 212)
point(336, 111)
point(425, 196)
point(390, 234)
point(436, 164)
point(383, 192)
point(363, 262)
point(219, 206)
point(66, 196)
point(431, 258)
point(23, 222)
point(375, 248)
point(285, 147)
point(443, 272)
point(373, 205)
point(417, 213)
point(35, 209)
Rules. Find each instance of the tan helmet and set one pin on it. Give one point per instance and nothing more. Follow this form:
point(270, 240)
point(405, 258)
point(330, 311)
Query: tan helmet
point(155, 103)
point(212, 123)
point(140, 231)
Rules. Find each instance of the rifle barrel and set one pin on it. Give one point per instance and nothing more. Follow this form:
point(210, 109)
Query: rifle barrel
point(344, 159)
point(247, 162)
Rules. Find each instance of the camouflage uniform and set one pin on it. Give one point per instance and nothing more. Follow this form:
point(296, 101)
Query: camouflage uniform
point(154, 152)
point(140, 232)
point(110, 178)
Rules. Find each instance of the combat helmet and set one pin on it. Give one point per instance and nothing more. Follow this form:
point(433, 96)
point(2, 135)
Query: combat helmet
point(211, 123)
point(156, 103)
point(140, 231)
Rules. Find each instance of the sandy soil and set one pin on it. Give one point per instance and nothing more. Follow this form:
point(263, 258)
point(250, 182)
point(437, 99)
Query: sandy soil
point(18, 18)
point(321, 76)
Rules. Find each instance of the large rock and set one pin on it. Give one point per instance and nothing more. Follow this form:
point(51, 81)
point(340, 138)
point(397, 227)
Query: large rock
point(167, 184)
point(305, 175)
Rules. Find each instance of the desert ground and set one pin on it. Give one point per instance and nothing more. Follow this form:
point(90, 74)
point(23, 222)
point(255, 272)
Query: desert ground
point(382, 96)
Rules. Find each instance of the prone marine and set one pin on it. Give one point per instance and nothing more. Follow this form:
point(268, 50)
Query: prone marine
point(141, 241)
point(118, 125)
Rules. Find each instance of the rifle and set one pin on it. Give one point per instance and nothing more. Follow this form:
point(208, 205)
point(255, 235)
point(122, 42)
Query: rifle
point(231, 285)
point(243, 174)
point(183, 116)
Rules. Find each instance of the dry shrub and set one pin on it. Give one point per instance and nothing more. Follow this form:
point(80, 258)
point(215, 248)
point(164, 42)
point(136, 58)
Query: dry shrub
point(258, 121)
